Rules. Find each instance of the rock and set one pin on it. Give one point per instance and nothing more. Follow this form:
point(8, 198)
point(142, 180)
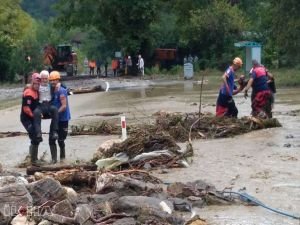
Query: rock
point(101, 199)
point(82, 214)
point(12, 197)
point(6, 180)
point(59, 219)
point(45, 190)
point(181, 204)
point(63, 208)
point(145, 207)
point(72, 195)
point(105, 146)
point(287, 145)
point(196, 201)
point(45, 222)
point(125, 221)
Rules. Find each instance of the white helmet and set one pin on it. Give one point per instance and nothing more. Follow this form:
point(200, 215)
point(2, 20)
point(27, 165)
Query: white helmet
point(44, 73)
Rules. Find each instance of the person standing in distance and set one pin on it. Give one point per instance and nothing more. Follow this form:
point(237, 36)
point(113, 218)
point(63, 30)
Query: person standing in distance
point(141, 65)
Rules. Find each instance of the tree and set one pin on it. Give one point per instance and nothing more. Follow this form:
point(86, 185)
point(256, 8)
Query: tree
point(15, 23)
point(125, 23)
point(284, 21)
point(212, 31)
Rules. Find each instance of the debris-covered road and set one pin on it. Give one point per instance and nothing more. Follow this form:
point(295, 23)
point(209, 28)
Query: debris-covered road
point(265, 163)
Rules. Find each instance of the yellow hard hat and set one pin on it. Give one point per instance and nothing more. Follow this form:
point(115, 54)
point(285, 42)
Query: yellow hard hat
point(54, 75)
point(237, 61)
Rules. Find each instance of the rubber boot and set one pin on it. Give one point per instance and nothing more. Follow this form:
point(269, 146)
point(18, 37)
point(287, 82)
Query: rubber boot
point(62, 154)
point(34, 155)
point(30, 149)
point(53, 150)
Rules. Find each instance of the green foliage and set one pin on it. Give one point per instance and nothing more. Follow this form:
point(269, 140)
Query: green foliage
point(5, 52)
point(285, 27)
point(125, 23)
point(212, 31)
point(152, 70)
point(14, 25)
point(176, 70)
point(39, 9)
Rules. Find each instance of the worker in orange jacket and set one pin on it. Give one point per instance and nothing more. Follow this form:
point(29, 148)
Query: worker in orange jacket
point(30, 101)
point(114, 66)
point(92, 65)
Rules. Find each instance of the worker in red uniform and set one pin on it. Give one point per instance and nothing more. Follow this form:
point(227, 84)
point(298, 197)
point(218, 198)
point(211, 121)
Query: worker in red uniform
point(261, 98)
point(29, 103)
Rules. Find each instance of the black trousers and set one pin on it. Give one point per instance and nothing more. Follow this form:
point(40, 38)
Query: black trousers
point(48, 111)
point(62, 134)
point(228, 102)
point(29, 127)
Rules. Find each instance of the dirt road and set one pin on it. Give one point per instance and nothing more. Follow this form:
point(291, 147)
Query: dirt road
point(265, 162)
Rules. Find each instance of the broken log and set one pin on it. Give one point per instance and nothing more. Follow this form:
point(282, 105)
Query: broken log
point(87, 90)
point(32, 169)
point(70, 177)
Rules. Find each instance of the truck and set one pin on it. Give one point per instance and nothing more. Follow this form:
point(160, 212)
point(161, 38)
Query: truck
point(61, 58)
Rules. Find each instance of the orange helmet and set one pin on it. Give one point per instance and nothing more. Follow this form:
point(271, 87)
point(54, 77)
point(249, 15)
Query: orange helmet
point(237, 61)
point(35, 78)
point(54, 75)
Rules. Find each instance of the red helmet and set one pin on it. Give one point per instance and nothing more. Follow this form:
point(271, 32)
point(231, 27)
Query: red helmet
point(35, 78)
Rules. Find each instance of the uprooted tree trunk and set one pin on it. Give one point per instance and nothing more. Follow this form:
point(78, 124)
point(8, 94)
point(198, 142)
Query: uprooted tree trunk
point(32, 169)
point(69, 177)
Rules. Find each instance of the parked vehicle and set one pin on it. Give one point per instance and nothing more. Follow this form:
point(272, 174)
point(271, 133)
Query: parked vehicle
point(61, 58)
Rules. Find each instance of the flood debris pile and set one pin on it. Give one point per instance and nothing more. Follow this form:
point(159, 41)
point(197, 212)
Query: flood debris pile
point(152, 146)
point(182, 126)
point(12, 134)
point(102, 127)
point(123, 197)
point(142, 150)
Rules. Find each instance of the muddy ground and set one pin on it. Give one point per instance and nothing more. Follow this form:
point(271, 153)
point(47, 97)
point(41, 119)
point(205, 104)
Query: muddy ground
point(264, 162)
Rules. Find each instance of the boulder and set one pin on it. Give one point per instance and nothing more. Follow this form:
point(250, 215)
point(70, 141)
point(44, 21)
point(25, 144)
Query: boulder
point(6, 180)
point(83, 214)
point(63, 208)
point(12, 197)
point(45, 190)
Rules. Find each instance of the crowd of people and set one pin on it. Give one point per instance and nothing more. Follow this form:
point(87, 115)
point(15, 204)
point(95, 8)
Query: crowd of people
point(46, 98)
point(119, 66)
point(263, 90)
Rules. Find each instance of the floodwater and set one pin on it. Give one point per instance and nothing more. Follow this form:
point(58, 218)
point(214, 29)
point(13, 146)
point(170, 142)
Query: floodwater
point(265, 163)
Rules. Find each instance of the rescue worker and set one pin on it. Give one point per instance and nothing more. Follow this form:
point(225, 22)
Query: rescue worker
point(45, 109)
point(225, 103)
point(92, 65)
point(30, 101)
point(261, 95)
point(114, 66)
point(60, 100)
